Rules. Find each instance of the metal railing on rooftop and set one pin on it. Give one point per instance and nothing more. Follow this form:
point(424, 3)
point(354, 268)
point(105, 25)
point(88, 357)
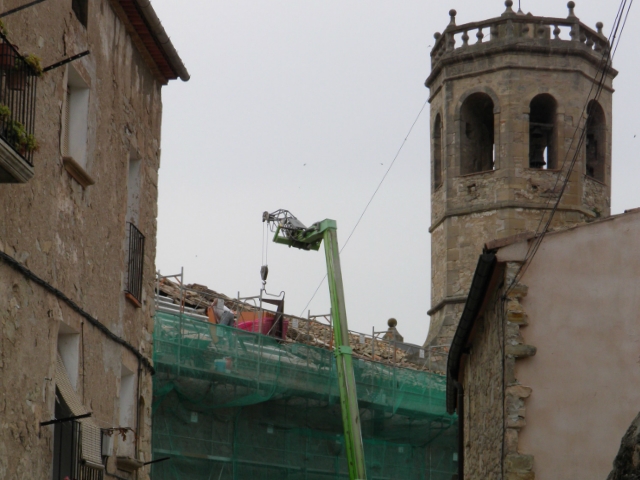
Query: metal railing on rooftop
point(316, 330)
point(18, 81)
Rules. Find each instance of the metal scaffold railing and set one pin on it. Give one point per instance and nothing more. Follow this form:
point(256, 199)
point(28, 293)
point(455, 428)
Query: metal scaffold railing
point(232, 404)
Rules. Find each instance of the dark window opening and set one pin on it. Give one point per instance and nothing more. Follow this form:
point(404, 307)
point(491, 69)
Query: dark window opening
point(81, 9)
point(543, 133)
point(437, 152)
point(64, 442)
point(478, 145)
point(595, 141)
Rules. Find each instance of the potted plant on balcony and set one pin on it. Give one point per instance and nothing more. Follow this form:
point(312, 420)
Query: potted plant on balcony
point(7, 51)
point(17, 76)
point(5, 112)
point(7, 56)
point(22, 141)
point(35, 64)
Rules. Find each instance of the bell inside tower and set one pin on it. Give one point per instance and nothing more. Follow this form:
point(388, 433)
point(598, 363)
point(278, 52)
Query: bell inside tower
point(542, 132)
point(508, 112)
point(477, 152)
point(595, 141)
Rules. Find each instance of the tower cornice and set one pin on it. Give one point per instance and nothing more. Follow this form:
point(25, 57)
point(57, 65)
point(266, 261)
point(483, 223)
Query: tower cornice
point(519, 33)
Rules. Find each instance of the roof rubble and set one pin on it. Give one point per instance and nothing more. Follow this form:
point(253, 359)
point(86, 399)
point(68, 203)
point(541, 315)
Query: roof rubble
point(303, 330)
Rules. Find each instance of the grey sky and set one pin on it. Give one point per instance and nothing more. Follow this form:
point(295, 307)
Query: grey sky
point(302, 105)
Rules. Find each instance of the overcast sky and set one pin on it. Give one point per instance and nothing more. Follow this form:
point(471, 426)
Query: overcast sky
point(302, 105)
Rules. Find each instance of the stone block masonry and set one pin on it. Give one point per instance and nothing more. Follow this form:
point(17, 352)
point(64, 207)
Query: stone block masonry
point(71, 234)
point(517, 94)
point(495, 402)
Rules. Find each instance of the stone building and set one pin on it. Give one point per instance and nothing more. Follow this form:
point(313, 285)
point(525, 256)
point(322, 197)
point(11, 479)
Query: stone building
point(79, 160)
point(543, 369)
point(507, 95)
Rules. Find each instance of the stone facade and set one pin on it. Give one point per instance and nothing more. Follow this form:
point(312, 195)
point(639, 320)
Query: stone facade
point(626, 466)
point(541, 342)
point(494, 410)
point(519, 61)
point(64, 242)
point(484, 417)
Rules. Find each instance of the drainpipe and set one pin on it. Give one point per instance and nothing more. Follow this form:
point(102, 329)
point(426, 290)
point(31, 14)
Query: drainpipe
point(460, 410)
point(137, 437)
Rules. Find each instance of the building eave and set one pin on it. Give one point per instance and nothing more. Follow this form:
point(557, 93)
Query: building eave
point(151, 39)
point(475, 300)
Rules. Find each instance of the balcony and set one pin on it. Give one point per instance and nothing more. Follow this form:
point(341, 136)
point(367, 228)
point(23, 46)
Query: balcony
point(133, 289)
point(18, 80)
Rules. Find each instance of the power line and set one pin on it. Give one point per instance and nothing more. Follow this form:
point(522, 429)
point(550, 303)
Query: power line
point(13, 263)
point(607, 57)
point(371, 199)
point(573, 138)
point(533, 249)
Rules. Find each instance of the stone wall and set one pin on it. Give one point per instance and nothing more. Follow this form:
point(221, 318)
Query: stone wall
point(595, 197)
point(513, 198)
point(494, 399)
point(626, 466)
point(75, 238)
point(457, 243)
point(483, 415)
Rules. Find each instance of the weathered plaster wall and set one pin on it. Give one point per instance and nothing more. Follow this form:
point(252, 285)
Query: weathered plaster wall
point(583, 304)
point(74, 238)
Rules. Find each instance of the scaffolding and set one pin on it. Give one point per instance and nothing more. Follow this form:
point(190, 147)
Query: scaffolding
point(231, 404)
point(316, 330)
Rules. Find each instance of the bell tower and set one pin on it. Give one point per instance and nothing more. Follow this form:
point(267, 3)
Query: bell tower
point(510, 98)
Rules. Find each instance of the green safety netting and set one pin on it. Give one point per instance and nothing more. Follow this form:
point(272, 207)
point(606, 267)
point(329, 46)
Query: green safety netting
point(230, 404)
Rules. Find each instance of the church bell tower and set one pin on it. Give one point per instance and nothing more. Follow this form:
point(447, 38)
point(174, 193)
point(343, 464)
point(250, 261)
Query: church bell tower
point(510, 98)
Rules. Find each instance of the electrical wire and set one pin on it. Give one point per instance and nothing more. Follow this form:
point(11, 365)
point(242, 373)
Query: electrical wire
point(76, 308)
point(371, 199)
point(607, 58)
point(608, 55)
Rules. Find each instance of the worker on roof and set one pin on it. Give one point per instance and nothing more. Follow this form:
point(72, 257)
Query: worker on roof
point(222, 315)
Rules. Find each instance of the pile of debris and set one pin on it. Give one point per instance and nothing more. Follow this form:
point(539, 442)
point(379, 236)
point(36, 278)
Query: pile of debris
point(390, 349)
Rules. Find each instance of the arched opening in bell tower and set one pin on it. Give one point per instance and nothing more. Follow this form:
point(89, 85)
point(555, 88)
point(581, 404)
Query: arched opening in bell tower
point(543, 132)
point(477, 136)
point(437, 152)
point(595, 141)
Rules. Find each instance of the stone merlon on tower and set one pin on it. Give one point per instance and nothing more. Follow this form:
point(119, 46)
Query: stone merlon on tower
point(510, 97)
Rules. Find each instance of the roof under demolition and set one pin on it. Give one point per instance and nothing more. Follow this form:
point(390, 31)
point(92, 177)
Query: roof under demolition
point(231, 402)
point(195, 299)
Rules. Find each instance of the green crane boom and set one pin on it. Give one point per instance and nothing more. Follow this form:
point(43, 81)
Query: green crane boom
point(289, 231)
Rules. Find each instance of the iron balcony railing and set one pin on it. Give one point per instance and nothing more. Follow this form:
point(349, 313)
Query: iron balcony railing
point(68, 462)
point(18, 79)
point(136, 262)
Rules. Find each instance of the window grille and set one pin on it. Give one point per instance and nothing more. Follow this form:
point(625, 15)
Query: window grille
point(135, 263)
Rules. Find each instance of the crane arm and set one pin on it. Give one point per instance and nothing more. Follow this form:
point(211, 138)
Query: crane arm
point(290, 231)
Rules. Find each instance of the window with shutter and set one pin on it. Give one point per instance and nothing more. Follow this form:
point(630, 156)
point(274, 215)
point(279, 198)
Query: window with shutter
point(75, 120)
